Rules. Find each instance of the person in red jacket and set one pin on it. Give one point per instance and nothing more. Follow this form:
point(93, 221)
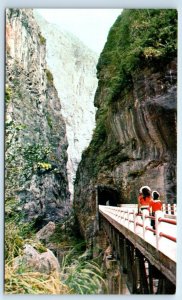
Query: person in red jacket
point(155, 205)
point(144, 198)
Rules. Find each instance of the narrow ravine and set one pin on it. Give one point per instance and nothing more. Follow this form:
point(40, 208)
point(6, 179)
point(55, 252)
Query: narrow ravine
point(73, 66)
point(83, 131)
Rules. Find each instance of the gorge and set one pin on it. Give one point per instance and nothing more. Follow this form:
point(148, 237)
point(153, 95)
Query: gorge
point(51, 111)
point(134, 142)
point(73, 66)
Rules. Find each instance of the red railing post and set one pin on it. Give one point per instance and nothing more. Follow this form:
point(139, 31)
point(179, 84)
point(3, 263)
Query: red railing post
point(169, 209)
point(174, 209)
point(128, 217)
point(125, 217)
point(164, 207)
point(122, 216)
point(119, 213)
point(145, 213)
point(158, 226)
point(135, 221)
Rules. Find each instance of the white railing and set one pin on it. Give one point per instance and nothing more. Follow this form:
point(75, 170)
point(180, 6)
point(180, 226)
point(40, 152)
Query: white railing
point(163, 237)
point(169, 209)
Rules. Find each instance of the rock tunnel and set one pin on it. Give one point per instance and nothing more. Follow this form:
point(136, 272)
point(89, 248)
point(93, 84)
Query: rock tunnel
point(107, 195)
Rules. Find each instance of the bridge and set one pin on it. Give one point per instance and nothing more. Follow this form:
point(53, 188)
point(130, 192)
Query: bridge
point(147, 256)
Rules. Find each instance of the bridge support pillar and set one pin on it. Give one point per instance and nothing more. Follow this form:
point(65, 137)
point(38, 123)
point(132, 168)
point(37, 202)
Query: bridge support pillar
point(141, 276)
point(144, 289)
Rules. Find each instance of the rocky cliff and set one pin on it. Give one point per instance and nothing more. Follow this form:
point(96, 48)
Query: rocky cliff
point(36, 143)
point(74, 67)
point(134, 142)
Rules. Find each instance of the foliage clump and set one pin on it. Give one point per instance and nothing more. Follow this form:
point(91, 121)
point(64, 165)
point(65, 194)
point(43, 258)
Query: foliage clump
point(84, 277)
point(139, 38)
point(79, 274)
point(49, 120)
point(44, 166)
point(22, 161)
point(34, 283)
point(8, 94)
point(42, 39)
point(49, 76)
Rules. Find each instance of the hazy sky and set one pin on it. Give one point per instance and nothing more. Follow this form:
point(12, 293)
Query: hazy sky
point(90, 25)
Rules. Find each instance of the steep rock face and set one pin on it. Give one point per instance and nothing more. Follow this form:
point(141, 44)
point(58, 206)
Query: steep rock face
point(74, 67)
point(134, 142)
point(36, 141)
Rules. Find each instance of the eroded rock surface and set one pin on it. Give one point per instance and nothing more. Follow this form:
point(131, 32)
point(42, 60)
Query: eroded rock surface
point(36, 142)
point(74, 68)
point(134, 143)
point(45, 232)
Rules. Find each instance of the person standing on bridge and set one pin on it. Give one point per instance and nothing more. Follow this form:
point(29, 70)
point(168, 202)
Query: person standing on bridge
point(155, 205)
point(144, 198)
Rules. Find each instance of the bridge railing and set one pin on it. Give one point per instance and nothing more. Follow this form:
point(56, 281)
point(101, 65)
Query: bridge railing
point(168, 209)
point(163, 237)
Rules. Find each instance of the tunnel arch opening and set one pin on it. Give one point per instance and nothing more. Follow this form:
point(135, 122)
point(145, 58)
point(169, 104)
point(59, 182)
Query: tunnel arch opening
point(108, 195)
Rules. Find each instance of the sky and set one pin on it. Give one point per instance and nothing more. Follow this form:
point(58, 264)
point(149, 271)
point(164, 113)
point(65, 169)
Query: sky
point(91, 26)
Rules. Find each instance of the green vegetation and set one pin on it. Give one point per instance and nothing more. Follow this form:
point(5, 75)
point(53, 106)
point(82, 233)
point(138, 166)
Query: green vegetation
point(13, 157)
point(20, 280)
point(15, 235)
point(34, 283)
point(84, 277)
point(13, 241)
point(8, 94)
point(44, 166)
point(78, 271)
point(36, 158)
point(100, 134)
point(136, 173)
point(79, 274)
point(22, 161)
point(42, 39)
point(49, 76)
point(139, 39)
point(49, 120)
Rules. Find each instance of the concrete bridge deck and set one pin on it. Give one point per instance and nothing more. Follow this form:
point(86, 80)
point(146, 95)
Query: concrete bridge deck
point(159, 248)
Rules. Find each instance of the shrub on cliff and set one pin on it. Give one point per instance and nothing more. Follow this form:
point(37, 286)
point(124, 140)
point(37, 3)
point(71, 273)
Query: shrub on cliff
point(42, 39)
point(49, 76)
point(77, 274)
point(139, 38)
point(34, 283)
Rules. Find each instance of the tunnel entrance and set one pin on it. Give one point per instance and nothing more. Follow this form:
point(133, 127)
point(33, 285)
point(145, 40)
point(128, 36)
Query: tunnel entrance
point(107, 196)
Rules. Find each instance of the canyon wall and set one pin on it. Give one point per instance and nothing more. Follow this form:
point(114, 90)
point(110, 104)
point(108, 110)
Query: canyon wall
point(134, 142)
point(36, 182)
point(73, 66)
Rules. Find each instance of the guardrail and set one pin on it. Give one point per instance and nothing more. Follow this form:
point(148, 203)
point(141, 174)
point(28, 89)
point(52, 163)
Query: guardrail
point(163, 237)
point(168, 209)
